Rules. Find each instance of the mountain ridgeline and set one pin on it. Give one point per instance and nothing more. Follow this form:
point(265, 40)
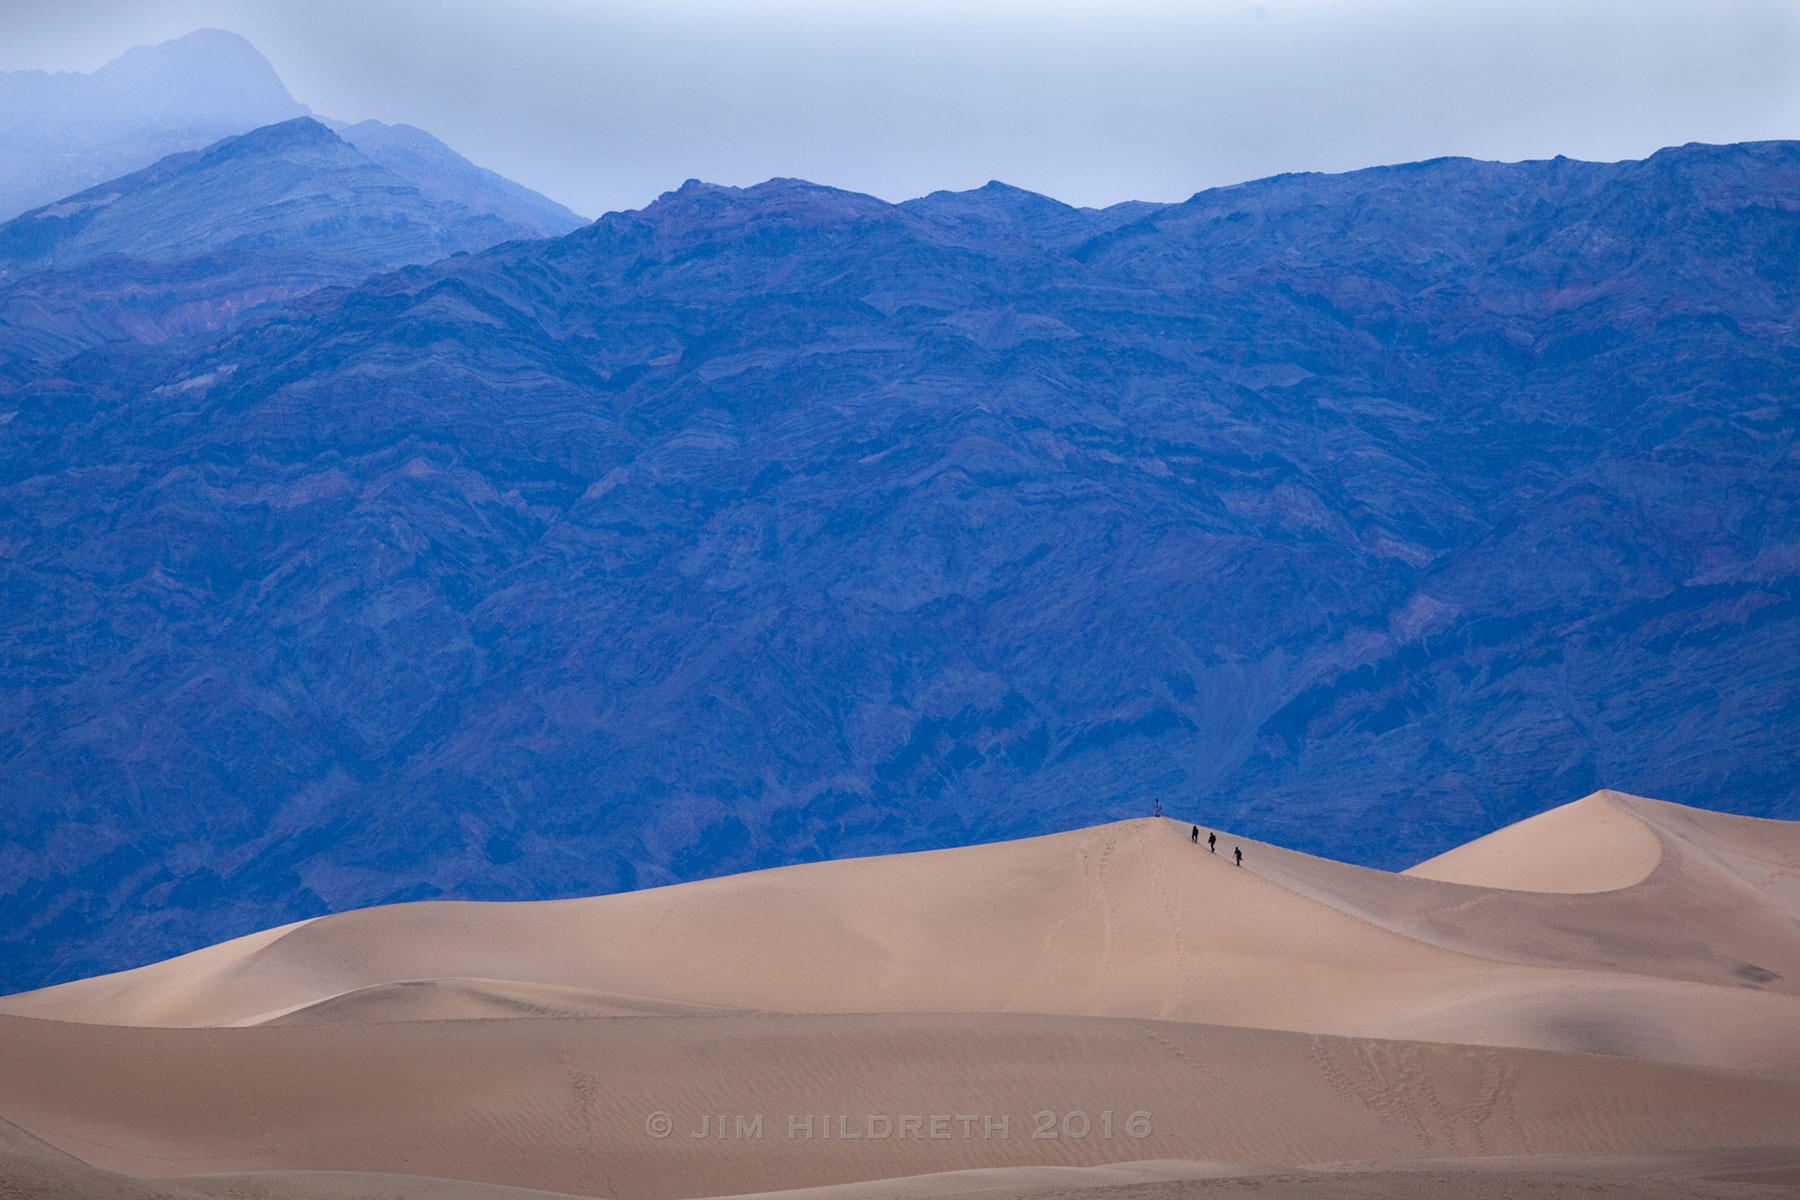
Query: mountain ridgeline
point(203, 240)
point(1363, 513)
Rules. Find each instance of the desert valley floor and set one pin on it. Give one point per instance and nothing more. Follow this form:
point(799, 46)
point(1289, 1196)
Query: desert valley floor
point(1602, 1000)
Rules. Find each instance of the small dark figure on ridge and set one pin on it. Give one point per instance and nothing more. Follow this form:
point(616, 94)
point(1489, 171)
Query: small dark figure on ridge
point(1194, 837)
point(1212, 843)
point(1239, 851)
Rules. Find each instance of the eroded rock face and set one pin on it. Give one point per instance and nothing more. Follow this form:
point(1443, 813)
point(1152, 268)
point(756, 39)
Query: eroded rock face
point(1361, 512)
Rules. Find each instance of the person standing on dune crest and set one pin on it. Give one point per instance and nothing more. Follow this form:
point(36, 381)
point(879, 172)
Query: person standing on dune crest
point(1239, 852)
point(1194, 837)
point(1212, 843)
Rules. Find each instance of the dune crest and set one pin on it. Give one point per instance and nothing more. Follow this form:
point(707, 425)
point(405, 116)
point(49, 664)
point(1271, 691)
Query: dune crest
point(1595, 844)
point(474, 999)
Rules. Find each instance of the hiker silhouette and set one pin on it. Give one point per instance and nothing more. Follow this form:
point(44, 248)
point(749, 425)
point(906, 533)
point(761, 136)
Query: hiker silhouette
point(1194, 837)
point(1158, 811)
point(1239, 851)
point(1212, 843)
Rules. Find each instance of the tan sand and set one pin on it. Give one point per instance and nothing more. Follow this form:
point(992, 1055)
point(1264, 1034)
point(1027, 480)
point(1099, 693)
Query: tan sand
point(1650, 1176)
point(564, 1104)
point(30, 1168)
point(1619, 977)
point(1596, 844)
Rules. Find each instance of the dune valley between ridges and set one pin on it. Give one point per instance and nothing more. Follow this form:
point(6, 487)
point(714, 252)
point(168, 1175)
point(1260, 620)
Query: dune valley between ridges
point(1604, 999)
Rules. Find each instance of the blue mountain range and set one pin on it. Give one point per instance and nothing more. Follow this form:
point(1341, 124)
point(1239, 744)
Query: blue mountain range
point(1363, 513)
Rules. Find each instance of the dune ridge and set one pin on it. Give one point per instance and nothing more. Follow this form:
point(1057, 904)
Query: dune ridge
point(1619, 977)
point(1596, 844)
point(1125, 920)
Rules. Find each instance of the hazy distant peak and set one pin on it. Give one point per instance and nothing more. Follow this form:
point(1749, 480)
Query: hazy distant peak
point(207, 40)
point(60, 133)
point(372, 131)
point(216, 47)
point(205, 74)
point(289, 189)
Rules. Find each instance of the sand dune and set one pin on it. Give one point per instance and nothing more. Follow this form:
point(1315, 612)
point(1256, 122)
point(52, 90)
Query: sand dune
point(32, 1169)
point(1126, 920)
point(1617, 976)
point(562, 1104)
point(1593, 845)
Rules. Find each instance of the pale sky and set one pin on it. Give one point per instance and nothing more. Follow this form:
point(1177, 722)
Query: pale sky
point(603, 104)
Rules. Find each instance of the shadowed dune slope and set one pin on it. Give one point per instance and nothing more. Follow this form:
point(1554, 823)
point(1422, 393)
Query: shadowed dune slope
point(30, 1167)
point(1589, 1177)
point(562, 1104)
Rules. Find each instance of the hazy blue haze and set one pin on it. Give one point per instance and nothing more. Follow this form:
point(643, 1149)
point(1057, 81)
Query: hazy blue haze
point(63, 132)
point(603, 104)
